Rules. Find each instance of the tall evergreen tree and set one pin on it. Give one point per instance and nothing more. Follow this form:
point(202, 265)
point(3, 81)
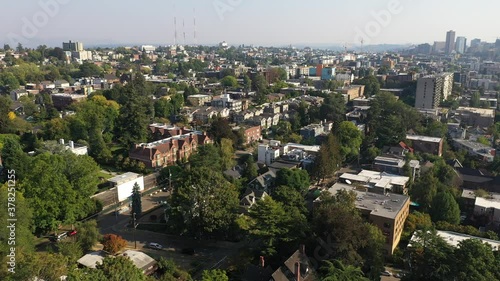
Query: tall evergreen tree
point(136, 201)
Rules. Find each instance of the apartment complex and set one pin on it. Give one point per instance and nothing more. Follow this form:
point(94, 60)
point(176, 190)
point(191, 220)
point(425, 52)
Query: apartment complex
point(424, 144)
point(73, 46)
point(432, 89)
point(387, 212)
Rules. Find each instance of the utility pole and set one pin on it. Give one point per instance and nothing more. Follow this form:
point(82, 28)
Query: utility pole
point(135, 240)
point(169, 180)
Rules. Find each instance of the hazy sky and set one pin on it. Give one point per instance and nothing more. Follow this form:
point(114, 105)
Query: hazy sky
point(260, 22)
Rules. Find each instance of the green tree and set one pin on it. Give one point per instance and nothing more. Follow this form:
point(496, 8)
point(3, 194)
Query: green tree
point(250, 168)
point(204, 202)
point(475, 100)
point(290, 198)
point(424, 190)
point(8, 80)
point(169, 271)
point(329, 158)
point(227, 153)
point(445, 208)
point(214, 275)
point(333, 109)
point(72, 251)
point(474, 260)
point(297, 179)
point(337, 271)
point(88, 234)
point(350, 139)
point(207, 156)
point(5, 122)
point(372, 85)
point(268, 221)
point(136, 201)
point(416, 221)
point(229, 81)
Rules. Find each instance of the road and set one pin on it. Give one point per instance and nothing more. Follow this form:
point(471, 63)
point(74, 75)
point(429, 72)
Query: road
point(208, 253)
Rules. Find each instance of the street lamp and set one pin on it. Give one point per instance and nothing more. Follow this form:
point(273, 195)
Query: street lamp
point(135, 226)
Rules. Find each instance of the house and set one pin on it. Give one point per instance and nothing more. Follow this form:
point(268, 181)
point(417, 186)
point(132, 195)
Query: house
point(298, 267)
point(61, 84)
point(264, 182)
point(488, 206)
point(17, 94)
point(242, 116)
point(424, 144)
point(91, 260)
point(313, 130)
point(269, 153)
point(145, 263)
point(206, 113)
point(387, 212)
point(62, 101)
point(249, 198)
point(166, 152)
point(252, 134)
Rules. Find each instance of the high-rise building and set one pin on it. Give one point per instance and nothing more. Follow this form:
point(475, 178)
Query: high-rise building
point(450, 42)
point(475, 43)
point(439, 47)
point(73, 46)
point(432, 89)
point(461, 45)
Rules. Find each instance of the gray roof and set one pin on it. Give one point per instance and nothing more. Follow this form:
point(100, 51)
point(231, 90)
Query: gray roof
point(92, 259)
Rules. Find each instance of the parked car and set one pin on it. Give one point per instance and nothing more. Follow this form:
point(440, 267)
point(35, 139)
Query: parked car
point(155, 246)
point(386, 273)
point(72, 232)
point(58, 237)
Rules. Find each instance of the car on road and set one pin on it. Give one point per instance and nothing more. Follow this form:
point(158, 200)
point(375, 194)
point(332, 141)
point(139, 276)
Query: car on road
point(386, 273)
point(156, 246)
point(188, 251)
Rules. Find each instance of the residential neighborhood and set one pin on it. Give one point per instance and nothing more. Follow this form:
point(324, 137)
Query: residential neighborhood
point(229, 161)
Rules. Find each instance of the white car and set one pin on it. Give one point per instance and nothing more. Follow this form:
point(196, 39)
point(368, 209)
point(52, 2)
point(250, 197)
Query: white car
point(155, 246)
point(386, 273)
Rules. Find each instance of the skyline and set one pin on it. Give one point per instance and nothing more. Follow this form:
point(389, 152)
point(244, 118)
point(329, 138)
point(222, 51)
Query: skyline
point(256, 22)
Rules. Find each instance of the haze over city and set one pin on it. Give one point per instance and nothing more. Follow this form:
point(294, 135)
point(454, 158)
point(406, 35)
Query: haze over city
point(323, 22)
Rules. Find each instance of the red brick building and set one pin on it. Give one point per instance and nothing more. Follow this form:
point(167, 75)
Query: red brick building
point(253, 134)
point(174, 144)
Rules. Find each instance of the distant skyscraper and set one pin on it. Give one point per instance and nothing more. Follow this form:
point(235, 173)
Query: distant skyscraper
point(475, 43)
point(450, 42)
point(432, 89)
point(73, 46)
point(461, 45)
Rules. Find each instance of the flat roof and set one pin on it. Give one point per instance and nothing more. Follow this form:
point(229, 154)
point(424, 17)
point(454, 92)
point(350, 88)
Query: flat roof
point(454, 238)
point(129, 176)
point(481, 111)
point(308, 148)
point(387, 206)
point(423, 138)
point(487, 203)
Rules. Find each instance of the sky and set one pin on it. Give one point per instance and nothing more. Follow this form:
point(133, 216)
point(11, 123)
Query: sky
point(257, 22)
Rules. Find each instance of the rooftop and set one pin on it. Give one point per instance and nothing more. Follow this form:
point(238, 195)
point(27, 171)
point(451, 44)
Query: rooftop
point(481, 111)
point(454, 238)
point(376, 178)
point(91, 260)
point(140, 259)
point(387, 206)
point(129, 176)
point(423, 138)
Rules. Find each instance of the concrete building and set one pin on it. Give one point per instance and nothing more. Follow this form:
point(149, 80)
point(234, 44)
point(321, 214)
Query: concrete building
point(395, 165)
point(269, 153)
point(125, 183)
point(377, 182)
point(476, 117)
point(225, 101)
point(314, 130)
point(461, 45)
point(450, 42)
point(432, 89)
point(353, 91)
point(72, 46)
point(387, 212)
point(424, 144)
point(453, 239)
point(199, 100)
point(483, 152)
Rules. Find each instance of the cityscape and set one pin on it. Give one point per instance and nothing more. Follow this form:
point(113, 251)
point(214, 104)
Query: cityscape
point(249, 151)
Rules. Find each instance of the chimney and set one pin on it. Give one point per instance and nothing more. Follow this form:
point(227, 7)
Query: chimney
point(297, 271)
point(61, 141)
point(71, 144)
point(262, 263)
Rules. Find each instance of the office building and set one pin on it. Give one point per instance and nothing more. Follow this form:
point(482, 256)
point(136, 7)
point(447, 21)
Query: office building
point(73, 46)
point(475, 43)
point(450, 42)
point(461, 45)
